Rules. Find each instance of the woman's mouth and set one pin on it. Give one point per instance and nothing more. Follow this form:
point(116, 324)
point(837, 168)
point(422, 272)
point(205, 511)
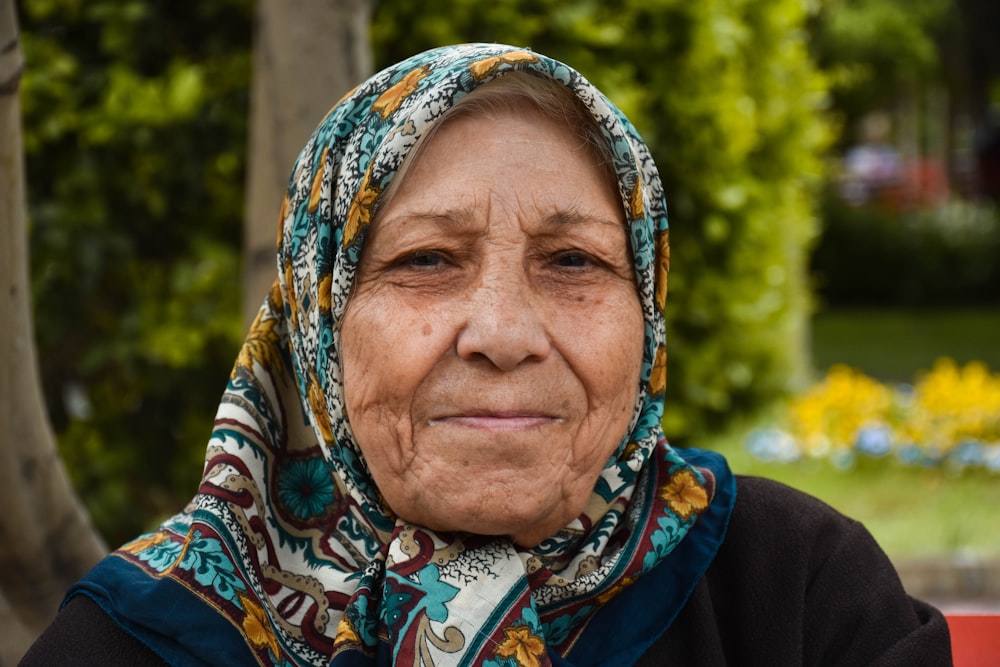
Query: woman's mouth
point(497, 421)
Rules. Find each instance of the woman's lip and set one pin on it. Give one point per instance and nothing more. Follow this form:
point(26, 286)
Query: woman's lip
point(497, 421)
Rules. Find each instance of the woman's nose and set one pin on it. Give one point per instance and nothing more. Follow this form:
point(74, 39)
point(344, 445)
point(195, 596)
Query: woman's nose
point(505, 324)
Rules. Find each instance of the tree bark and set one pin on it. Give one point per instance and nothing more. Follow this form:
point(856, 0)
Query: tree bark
point(46, 540)
point(306, 55)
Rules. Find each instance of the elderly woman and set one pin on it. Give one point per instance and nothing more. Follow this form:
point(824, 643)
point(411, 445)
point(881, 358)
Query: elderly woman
point(441, 445)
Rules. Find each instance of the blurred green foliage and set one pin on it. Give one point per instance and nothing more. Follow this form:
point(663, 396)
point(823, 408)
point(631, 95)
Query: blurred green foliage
point(731, 104)
point(874, 51)
point(135, 120)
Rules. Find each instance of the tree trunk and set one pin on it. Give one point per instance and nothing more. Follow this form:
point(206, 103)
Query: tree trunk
point(306, 55)
point(46, 540)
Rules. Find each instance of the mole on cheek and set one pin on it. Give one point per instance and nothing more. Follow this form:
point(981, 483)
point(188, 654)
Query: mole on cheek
point(427, 330)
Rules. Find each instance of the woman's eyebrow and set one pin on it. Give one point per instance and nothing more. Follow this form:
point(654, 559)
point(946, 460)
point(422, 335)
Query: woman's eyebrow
point(460, 220)
point(448, 218)
point(564, 217)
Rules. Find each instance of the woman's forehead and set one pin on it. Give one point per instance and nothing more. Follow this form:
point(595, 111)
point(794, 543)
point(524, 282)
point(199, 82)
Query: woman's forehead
point(480, 166)
point(518, 94)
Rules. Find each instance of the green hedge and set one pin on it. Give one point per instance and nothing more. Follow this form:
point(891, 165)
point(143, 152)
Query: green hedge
point(943, 256)
point(135, 128)
point(135, 133)
point(729, 101)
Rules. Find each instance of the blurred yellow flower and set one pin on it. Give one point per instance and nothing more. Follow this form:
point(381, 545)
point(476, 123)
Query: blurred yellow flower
point(828, 416)
point(950, 413)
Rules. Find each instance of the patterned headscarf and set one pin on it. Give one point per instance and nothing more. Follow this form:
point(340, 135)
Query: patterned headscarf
point(289, 541)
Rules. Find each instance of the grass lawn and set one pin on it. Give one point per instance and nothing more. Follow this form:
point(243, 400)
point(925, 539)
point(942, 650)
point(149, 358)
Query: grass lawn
point(913, 512)
point(892, 344)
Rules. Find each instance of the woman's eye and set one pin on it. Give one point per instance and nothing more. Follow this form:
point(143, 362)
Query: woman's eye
point(573, 260)
point(424, 260)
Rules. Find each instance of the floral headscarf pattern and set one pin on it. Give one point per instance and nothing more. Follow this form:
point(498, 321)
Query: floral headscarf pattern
point(288, 539)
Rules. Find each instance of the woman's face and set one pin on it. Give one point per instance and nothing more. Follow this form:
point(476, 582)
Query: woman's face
point(493, 344)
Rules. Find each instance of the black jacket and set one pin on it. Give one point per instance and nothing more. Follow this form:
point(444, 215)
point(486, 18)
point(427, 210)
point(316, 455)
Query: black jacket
point(794, 583)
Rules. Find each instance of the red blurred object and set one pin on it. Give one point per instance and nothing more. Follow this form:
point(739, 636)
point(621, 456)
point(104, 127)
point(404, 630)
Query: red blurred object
point(975, 639)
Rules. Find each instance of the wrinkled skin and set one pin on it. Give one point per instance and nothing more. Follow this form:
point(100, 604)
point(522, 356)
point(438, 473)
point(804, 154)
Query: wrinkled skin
point(492, 347)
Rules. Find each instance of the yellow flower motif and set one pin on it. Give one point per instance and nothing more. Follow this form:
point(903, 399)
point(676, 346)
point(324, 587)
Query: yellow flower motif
point(325, 296)
point(274, 296)
point(636, 208)
point(261, 345)
point(389, 101)
point(318, 405)
point(662, 268)
point(317, 185)
point(684, 494)
point(630, 450)
point(346, 634)
point(519, 644)
point(293, 305)
point(256, 626)
point(144, 542)
point(280, 227)
point(607, 595)
point(359, 215)
point(481, 69)
point(658, 377)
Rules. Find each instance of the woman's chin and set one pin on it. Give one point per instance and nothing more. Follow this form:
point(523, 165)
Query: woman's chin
point(525, 528)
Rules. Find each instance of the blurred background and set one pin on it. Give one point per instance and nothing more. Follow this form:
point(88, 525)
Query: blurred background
point(833, 173)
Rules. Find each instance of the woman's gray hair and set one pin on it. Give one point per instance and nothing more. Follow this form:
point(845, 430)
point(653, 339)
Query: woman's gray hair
point(517, 91)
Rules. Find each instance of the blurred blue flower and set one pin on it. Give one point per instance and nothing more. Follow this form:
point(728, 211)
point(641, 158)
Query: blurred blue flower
point(910, 454)
point(991, 457)
point(842, 458)
point(968, 453)
point(874, 441)
point(772, 444)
